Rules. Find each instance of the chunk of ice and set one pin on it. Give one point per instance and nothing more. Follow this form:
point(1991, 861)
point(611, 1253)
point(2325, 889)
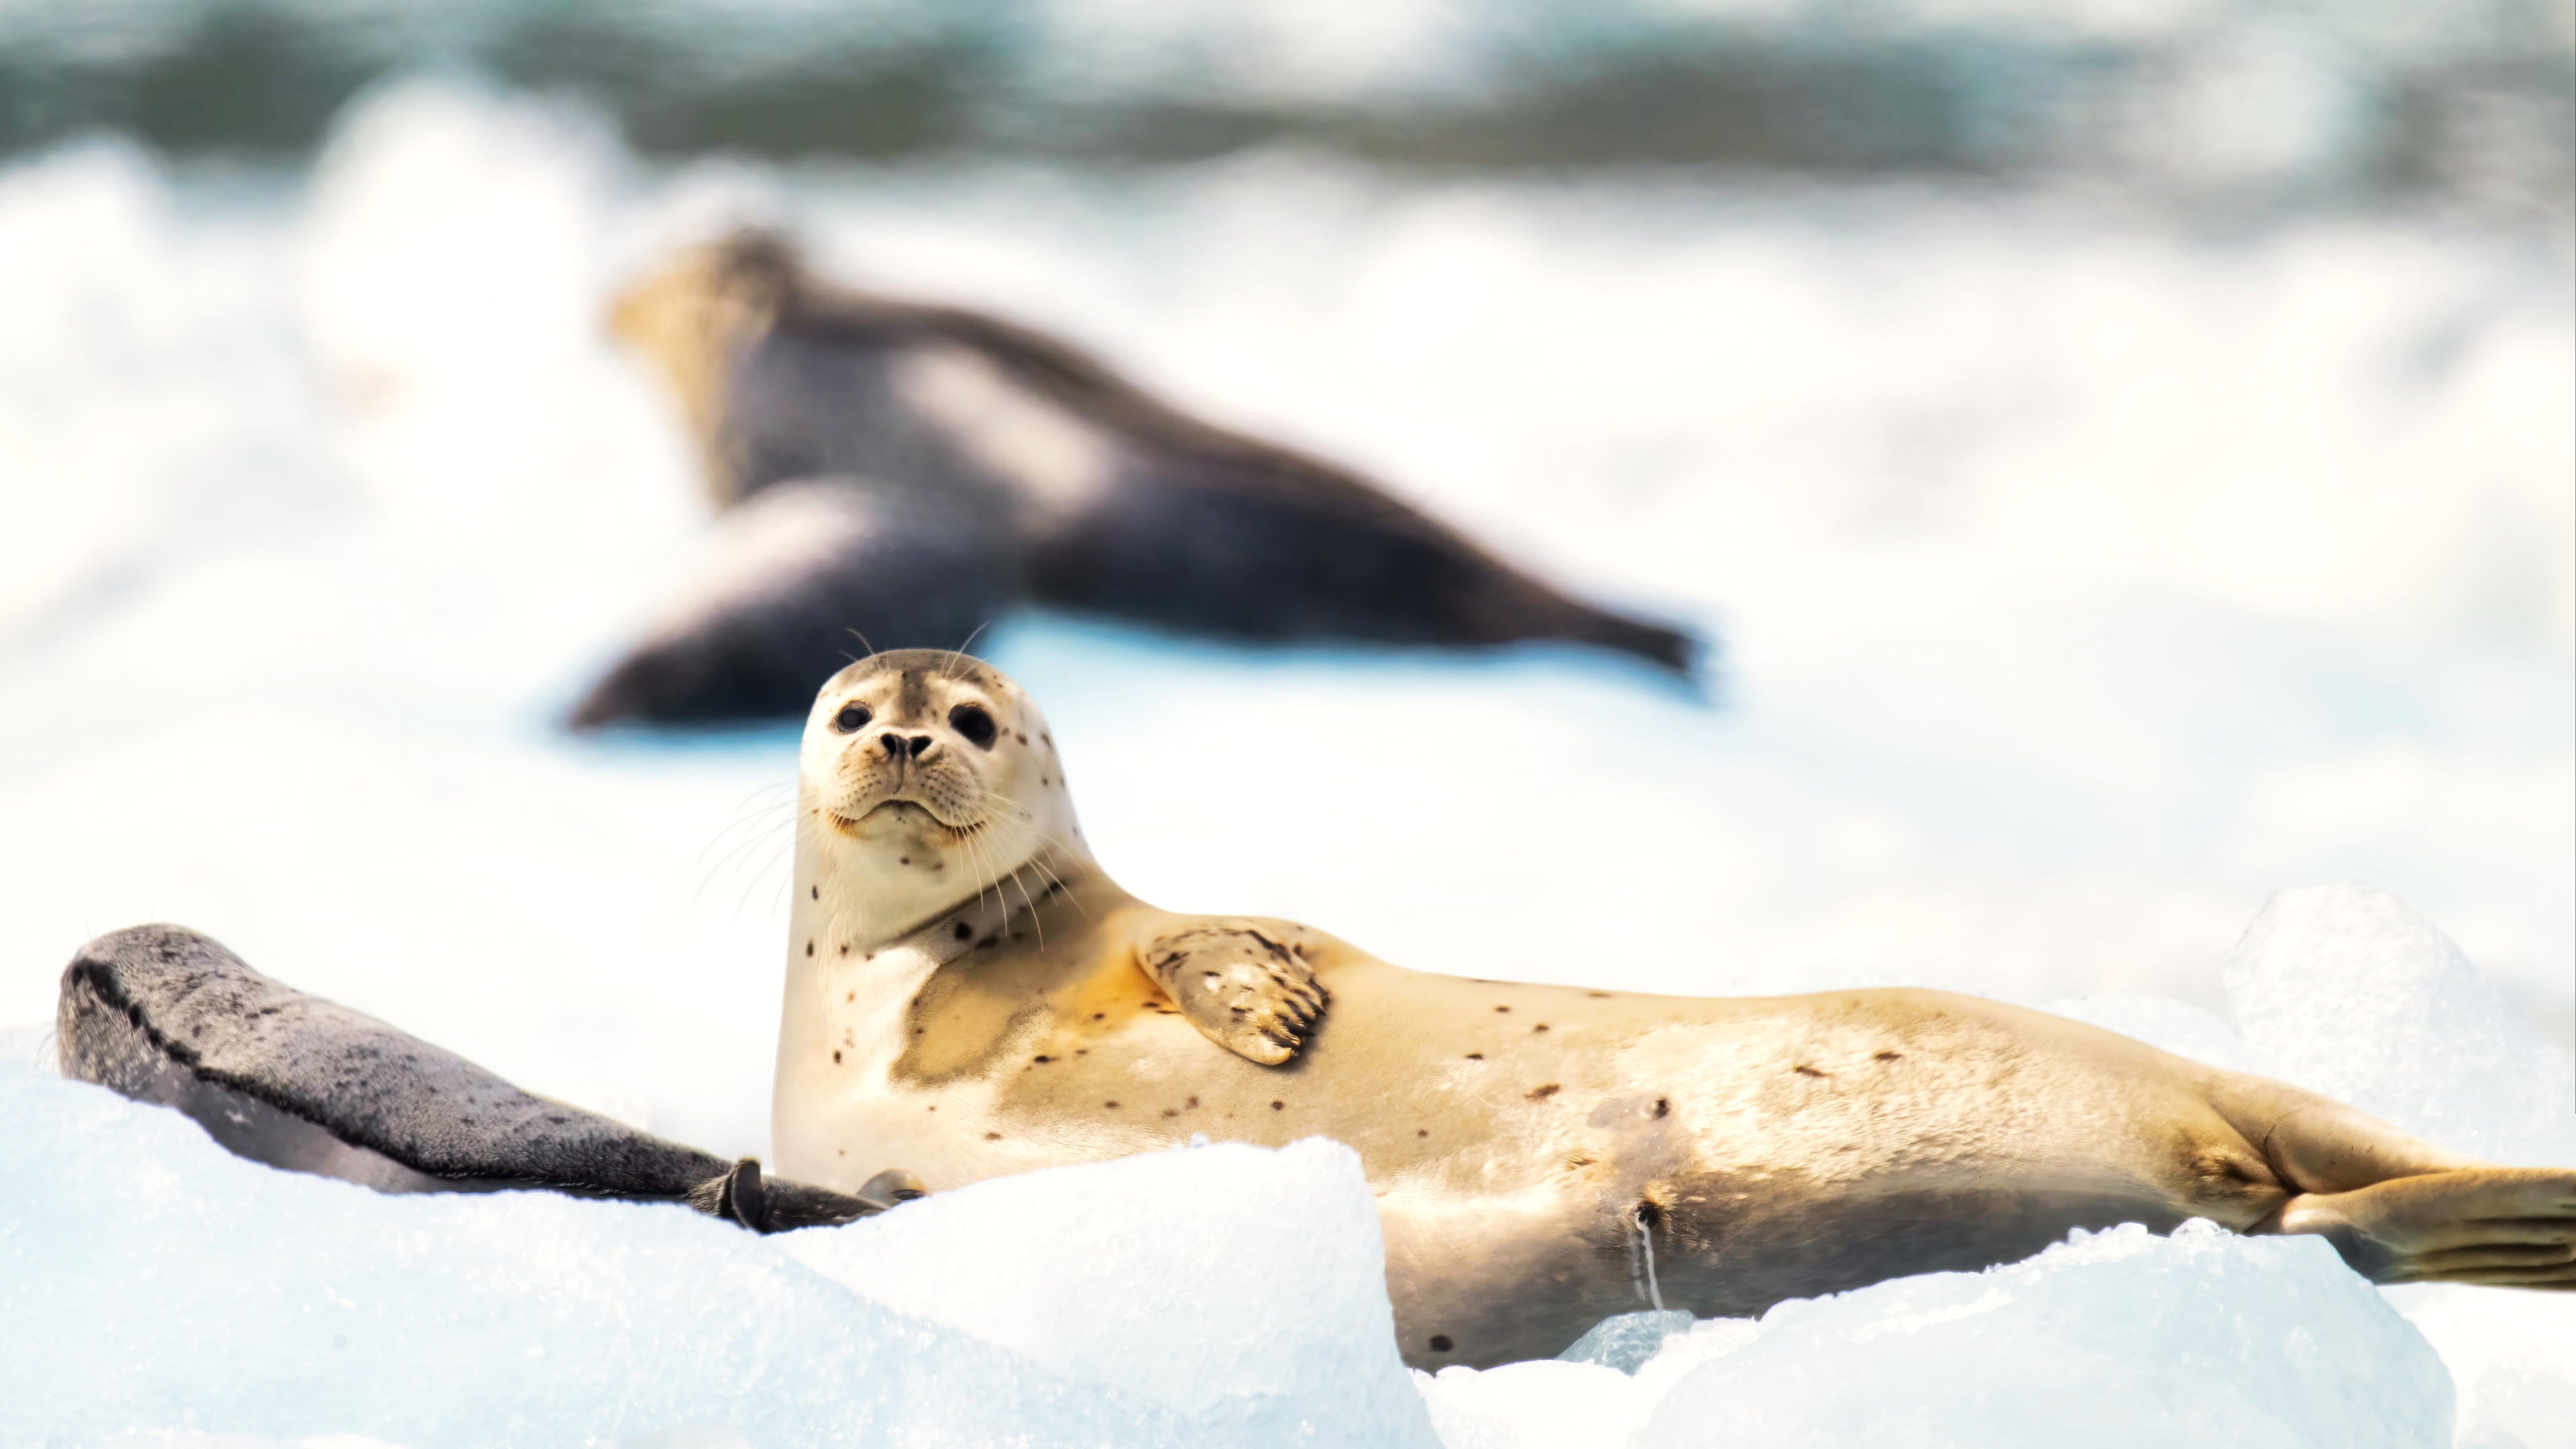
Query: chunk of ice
point(1240, 1287)
point(150, 1282)
point(2113, 1339)
point(1624, 1341)
point(2354, 995)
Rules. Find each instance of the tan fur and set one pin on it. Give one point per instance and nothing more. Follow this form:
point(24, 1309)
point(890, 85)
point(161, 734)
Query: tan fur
point(1522, 1139)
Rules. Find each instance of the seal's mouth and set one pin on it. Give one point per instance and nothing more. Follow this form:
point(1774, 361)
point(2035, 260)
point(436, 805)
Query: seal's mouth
point(899, 810)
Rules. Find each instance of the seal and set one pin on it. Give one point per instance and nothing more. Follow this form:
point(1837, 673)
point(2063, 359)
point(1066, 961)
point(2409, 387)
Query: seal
point(1068, 485)
point(968, 992)
point(163, 1014)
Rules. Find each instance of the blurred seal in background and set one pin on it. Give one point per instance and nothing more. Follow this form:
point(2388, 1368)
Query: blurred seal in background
point(907, 472)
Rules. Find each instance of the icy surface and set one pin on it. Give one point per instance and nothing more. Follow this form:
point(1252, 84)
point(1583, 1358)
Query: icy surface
point(156, 1283)
point(1626, 1341)
point(2362, 999)
point(2118, 1339)
point(1146, 1275)
point(320, 496)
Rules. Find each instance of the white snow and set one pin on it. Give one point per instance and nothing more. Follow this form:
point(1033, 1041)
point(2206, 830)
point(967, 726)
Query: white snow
point(2085, 581)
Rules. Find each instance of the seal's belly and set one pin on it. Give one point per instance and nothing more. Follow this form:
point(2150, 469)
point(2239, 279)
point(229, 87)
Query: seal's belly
point(1530, 1145)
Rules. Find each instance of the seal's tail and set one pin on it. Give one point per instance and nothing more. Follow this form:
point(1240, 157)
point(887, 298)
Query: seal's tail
point(1664, 647)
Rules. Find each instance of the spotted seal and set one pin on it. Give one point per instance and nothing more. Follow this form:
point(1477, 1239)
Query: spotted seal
point(969, 993)
point(901, 472)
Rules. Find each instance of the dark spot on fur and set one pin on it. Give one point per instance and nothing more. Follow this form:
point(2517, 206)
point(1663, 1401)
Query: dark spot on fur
point(836, 1057)
point(1192, 1102)
point(1440, 1343)
point(1171, 1111)
point(1042, 1059)
point(1043, 780)
point(1543, 1091)
point(1082, 1051)
point(1502, 1008)
point(809, 948)
point(1475, 1056)
point(1023, 739)
point(845, 950)
point(818, 893)
point(1603, 995)
point(1542, 1026)
point(1108, 1104)
point(1802, 1069)
point(1884, 1057)
point(963, 930)
point(1100, 1016)
point(901, 859)
point(853, 996)
point(992, 1136)
point(1663, 1106)
point(1278, 1106)
point(1421, 1131)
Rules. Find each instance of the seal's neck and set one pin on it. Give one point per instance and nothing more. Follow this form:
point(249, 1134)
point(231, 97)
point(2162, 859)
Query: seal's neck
point(863, 942)
point(865, 893)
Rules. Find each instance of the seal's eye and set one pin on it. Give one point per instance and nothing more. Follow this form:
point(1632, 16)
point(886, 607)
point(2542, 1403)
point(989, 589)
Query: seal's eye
point(971, 721)
point(851, 719)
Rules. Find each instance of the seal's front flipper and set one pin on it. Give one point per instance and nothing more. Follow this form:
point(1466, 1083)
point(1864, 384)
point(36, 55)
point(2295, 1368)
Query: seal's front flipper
point(1248, 990)
point(163, 1014)
point(2509, 1227)
point(802, 578)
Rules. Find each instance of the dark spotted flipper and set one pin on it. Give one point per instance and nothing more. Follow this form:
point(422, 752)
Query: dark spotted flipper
point(163, 1014)
point(1240, 985)
point(800, 579)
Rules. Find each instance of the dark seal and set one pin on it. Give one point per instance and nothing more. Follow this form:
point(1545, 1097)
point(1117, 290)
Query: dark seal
point(982, 466)
point(165, 1015)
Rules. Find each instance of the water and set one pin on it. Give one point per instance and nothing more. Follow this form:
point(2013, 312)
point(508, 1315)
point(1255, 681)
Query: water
point(2226, 102)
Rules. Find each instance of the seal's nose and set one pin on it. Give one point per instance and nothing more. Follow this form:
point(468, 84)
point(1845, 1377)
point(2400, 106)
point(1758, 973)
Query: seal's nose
point(896, 746)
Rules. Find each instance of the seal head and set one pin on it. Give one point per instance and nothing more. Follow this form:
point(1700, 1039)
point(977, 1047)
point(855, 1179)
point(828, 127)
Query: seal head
point(928, 779)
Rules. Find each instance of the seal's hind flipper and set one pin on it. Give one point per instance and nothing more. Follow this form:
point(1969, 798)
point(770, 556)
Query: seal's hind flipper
point(2510, 1227)
point(162, 1014)
point(1240, 985)
point(803, 577)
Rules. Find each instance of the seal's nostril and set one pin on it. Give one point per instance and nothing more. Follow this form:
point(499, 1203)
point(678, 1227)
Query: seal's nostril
point(921, 747)
point(893, 744)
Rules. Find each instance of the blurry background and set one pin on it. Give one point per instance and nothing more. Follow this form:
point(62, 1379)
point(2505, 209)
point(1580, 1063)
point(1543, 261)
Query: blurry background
point(2128, 449)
